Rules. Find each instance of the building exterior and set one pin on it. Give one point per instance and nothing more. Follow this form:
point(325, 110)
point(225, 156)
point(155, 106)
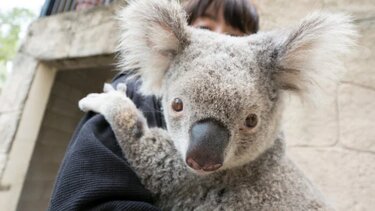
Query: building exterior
point(68, 55)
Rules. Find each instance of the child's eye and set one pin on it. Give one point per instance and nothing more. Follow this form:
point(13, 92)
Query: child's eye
point(204, 27)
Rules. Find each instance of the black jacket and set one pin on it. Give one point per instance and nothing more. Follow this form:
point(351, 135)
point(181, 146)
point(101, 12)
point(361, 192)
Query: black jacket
point(94, 174)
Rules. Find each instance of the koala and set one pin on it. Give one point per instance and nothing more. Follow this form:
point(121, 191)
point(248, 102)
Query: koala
point(222, 98)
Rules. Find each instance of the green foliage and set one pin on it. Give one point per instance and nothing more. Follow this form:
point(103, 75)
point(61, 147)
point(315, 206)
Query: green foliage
point(10, 27)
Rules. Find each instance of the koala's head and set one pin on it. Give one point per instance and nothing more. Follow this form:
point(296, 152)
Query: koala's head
point(222, 95)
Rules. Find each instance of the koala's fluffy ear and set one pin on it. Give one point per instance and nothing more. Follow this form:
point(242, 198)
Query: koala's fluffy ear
point(310, 52)
point(152, 33)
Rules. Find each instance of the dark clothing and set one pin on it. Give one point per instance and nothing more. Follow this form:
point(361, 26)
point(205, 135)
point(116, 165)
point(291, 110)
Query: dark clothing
point(94, 174)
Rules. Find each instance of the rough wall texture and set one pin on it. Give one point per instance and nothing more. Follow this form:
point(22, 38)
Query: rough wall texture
point(12, 100)
point(333, 142)
point(60, 120)
point(65, 41)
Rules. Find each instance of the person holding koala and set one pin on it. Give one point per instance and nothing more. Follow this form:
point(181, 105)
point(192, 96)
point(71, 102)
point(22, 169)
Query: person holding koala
point(94, 173)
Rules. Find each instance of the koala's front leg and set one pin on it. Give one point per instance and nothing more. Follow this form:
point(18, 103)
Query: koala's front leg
point(149, 151)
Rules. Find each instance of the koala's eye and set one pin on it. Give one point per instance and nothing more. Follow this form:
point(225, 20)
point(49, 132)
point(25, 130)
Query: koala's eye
point(177, 105)
point(251, 121)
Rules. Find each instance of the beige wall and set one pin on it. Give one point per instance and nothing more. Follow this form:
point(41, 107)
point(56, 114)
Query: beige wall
point(60, 119)
point(333, 142)
point(65, 42)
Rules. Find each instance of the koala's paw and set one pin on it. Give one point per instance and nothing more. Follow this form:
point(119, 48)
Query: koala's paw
point(100, 103)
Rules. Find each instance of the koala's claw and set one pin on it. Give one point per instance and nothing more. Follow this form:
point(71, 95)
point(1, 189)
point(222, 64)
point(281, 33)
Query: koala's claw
point(108, 88)
point(121, 87)
point(84, 103)
point(98, 102)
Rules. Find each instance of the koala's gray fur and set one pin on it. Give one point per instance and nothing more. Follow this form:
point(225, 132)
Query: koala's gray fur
point(223, 78)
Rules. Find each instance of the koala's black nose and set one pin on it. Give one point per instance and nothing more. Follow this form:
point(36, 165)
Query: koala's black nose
point(208, 140)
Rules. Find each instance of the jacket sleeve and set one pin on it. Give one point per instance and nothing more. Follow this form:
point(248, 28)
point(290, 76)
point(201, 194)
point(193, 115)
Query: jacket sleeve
point(94, 174)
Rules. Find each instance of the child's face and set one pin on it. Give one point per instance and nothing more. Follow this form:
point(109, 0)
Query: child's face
point(214, 21)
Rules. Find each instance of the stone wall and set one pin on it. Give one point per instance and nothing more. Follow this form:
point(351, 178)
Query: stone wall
point(60, 120)
point(58, 43)
point(12, 101)
point(71, 40)
point(333, 141)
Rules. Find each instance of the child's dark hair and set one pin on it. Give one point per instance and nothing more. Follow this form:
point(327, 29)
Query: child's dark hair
point(240, 14)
